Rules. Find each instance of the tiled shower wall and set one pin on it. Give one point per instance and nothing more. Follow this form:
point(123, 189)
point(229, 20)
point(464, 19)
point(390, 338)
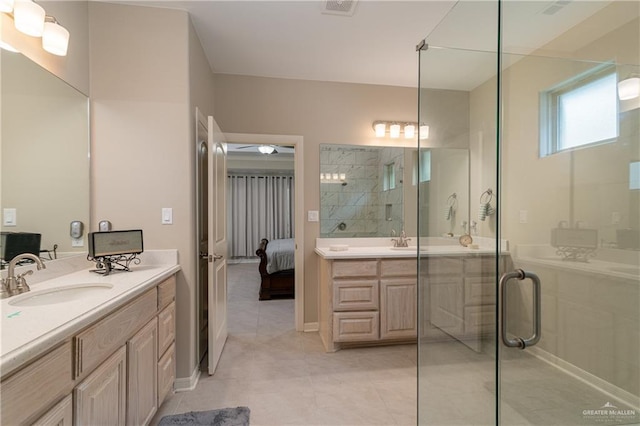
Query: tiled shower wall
point(359, 201)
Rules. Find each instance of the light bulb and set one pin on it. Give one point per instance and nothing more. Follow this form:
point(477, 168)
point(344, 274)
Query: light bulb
point(629, 88)
point(381, 129)
point(28, 17)
point(394, 130)
point(6, 6)
point(424, 132)
point(409, 131)
point(55, 38)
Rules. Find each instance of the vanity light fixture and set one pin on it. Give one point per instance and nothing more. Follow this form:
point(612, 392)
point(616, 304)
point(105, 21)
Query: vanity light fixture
point(30, 18)
point(423, 131)
point(398, 128)
point(409, 131)
point(55, 38)
point(394, 131)
point(380, 129)
point(629, 88)
point(6, 6)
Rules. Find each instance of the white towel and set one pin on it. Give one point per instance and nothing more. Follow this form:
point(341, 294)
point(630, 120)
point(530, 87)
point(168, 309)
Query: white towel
point(448, 212)
point(482, 211)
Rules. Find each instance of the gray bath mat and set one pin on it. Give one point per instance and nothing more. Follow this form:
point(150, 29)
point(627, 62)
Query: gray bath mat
point(238, 416)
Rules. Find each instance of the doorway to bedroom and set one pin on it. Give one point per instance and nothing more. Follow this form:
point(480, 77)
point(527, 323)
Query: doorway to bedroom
point(261, 228)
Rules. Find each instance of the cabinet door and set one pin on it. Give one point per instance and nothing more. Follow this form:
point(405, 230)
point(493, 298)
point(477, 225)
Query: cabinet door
point(398, 308)
point(60, 415)
point(447, 304)
point(101, 398)
point(142, 355)
point(166, 373)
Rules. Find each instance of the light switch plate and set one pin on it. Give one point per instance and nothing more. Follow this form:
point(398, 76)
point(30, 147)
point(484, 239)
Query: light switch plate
point(77, 242)
point(313, 216)
point(167, 216)
point(9, 217)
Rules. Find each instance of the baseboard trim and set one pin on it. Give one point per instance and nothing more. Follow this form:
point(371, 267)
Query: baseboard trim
point(310, 327)
point(586, 377)
point(186, 384)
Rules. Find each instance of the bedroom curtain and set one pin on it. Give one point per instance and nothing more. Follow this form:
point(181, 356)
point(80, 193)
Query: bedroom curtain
point(258, 207)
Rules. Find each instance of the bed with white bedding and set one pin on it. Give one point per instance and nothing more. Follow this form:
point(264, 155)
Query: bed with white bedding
point(276, 268)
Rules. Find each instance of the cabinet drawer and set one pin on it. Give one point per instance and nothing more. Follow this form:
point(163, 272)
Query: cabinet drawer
point(357, 295)
point(480, 291)
point(355, 326)
point(479, 319)
point(166, 291)
point(37, 386)
point(444, 266)
point(166, 327)
point(166, 373)
point(398, 267)
point(96, 343)
point(355, 268)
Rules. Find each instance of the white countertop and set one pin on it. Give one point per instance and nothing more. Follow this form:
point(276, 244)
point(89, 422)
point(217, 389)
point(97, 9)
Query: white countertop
point(362, 248)
point(27, 331)
point(612, 263)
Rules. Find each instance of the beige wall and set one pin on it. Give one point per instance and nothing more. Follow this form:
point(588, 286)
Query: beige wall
point(146, 79)
point(321, 112)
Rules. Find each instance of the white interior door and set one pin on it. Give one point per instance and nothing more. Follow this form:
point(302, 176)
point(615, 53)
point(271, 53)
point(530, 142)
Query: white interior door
point(217, 273)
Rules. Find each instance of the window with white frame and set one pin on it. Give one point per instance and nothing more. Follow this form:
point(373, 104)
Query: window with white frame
point(389, 177)
point(579, 112)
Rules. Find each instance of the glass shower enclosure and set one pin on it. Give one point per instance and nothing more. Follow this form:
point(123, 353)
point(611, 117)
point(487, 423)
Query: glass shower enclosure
point(533, 316)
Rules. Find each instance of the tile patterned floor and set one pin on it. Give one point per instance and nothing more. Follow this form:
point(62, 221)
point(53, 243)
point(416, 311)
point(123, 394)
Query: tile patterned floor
point(286, 378)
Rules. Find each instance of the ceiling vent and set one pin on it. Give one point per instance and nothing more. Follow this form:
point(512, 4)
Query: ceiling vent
point(339, 7)
point(555, 7)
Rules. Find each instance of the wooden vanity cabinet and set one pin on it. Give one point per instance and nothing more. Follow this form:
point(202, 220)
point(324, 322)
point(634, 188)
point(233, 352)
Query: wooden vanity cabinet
point(462, 296)
point(116, 371)
point(367, 301)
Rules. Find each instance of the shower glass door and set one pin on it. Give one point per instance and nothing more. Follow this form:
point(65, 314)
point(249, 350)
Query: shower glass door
point(537, 321)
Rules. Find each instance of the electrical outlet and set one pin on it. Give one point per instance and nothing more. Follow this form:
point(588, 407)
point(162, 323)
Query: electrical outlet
point(313, 216)
point(524, 216)
point(167, 216)
point(77, 242)
point(9, 217)
point(615, 218)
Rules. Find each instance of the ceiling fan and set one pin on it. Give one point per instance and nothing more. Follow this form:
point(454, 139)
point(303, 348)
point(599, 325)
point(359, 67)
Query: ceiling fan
point(265, 149)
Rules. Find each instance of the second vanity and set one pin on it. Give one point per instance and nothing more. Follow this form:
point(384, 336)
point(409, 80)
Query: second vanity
point(368, 291)
point(102, 357)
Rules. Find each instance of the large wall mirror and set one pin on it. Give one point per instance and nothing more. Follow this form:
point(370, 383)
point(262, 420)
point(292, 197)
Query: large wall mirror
point(370, 191)
point(44, 149)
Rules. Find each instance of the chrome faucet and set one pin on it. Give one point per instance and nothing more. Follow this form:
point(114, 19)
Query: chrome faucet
point(13, 285)
point(401, 241)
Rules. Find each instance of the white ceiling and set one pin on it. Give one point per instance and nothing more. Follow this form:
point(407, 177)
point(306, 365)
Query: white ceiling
point(375, 45)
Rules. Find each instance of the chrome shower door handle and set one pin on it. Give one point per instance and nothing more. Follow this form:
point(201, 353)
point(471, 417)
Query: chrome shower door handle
point(519, 342)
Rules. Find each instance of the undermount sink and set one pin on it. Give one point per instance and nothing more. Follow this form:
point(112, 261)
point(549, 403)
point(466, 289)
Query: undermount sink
point(55, 295)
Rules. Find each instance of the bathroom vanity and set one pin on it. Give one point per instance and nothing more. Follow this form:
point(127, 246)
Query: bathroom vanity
point(369, 294)
point(103, 355)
